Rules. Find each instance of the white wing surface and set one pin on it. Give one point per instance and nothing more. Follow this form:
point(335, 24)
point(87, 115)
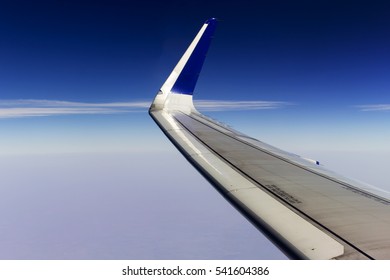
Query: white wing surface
point(307, 211)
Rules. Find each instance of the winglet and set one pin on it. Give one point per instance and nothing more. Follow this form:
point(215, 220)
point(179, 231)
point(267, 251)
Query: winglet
point(177, 90)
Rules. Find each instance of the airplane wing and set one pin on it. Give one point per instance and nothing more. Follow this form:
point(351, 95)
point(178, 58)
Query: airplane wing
point(307, 211)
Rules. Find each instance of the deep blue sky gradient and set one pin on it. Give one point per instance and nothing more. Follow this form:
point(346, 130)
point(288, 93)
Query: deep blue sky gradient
point(302, 51)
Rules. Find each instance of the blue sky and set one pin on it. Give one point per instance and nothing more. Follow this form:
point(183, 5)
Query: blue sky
point(76, 78)
point(328, 59)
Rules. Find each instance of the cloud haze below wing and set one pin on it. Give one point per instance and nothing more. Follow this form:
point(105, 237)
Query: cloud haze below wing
point(118, 206)
point(45, 108)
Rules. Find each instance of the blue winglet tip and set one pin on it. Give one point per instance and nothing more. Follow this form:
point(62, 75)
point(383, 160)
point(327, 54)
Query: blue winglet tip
point(186, 81)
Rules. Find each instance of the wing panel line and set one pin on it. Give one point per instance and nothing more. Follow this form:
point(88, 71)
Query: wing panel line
point(346, 185)
point(258, 221)
point(263, 187)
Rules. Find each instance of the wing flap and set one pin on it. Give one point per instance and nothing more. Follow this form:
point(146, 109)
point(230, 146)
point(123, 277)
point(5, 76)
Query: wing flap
point(287, 229)
point(309, 241)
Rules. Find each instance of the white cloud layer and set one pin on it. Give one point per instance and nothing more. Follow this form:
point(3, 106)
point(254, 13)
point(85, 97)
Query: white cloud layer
point(374, 107)
point(43, 108)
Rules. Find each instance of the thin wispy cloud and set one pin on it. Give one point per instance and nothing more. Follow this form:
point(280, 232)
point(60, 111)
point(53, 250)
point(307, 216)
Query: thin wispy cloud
point(374, 107)
point(70, 104)
point(44, 108)
point(223, 105)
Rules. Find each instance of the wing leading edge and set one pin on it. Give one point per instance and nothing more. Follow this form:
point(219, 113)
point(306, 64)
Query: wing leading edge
point(307, 211)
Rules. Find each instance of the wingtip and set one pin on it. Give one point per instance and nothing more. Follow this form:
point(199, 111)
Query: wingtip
point(178, 89)
point(211, 20)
